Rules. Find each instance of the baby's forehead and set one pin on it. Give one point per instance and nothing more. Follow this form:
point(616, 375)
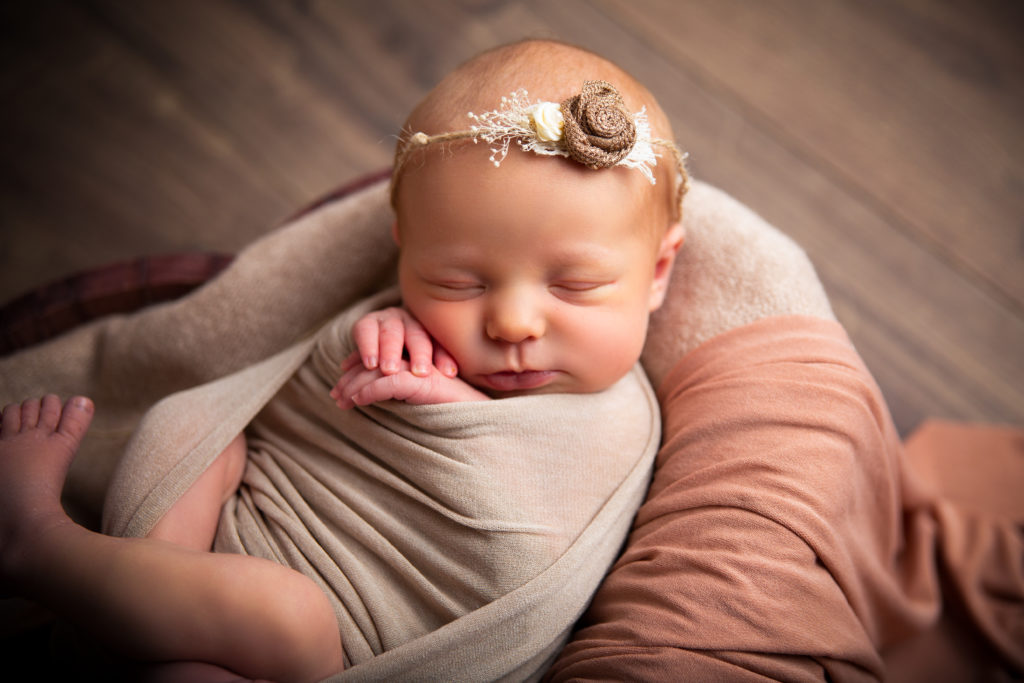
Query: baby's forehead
point(449, 168)
point(450, 186)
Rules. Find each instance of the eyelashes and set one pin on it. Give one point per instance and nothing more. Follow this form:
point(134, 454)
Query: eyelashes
point(580, 286)
point(573, 291)
point(456, 291)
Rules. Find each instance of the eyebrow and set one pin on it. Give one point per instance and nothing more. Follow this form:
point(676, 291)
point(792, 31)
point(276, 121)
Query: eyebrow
point(586, 254)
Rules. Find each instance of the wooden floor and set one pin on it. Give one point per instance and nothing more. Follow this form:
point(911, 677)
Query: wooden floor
point(884, 135)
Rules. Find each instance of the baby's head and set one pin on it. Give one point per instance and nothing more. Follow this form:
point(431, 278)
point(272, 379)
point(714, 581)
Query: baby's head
point(537, 274)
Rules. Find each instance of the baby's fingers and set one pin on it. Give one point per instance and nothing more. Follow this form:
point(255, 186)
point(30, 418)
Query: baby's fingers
point(350, 383)
point(382, 338)
point(366, 335)
point(420, 346)
point(401, 386)
point(392, 340)
point(444, 362)
point(349, 367)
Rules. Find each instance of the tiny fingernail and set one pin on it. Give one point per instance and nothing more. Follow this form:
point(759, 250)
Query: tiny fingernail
point(420, 369)
point(370, 362)
point(389, 366)
point(81, 402)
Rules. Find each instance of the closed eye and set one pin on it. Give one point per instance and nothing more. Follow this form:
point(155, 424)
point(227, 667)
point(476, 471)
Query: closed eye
point(581, 291)
point(456, 289)
point(580, 286)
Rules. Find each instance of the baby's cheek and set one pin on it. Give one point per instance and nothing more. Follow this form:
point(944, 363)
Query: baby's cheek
point(603, 355)
point(449, 328)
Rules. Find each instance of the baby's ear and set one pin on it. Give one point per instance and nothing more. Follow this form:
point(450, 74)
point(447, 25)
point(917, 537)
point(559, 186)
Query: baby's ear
point(667, 250)
point(394, 233)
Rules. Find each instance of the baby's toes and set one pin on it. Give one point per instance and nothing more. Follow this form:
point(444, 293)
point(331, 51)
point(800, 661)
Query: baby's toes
point(10, 424)
point(48, 413)
point(75, 418)
point(30, 413)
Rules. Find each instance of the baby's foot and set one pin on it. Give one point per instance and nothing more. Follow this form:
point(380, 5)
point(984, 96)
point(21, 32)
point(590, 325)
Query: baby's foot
point(38, 440)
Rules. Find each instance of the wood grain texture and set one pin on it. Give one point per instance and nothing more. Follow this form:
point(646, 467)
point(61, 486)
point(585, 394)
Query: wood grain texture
point(884, 136)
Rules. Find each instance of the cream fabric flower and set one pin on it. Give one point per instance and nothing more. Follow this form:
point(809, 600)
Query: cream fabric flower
point(548, 121)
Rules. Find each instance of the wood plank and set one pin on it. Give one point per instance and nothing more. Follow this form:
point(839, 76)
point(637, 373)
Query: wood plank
point(162, 126)
point(918, 109)
point(108, 159)
point(247, 84)
point(58, 176)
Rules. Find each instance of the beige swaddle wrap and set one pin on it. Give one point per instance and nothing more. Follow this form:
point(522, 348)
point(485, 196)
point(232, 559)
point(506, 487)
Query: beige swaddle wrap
point(493, 519)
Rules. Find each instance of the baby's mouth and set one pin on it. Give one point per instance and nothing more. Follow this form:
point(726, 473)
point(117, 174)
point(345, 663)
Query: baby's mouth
point(519, 381)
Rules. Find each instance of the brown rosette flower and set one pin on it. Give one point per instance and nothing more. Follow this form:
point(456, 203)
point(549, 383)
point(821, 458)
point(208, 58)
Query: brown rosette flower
point(599, 132)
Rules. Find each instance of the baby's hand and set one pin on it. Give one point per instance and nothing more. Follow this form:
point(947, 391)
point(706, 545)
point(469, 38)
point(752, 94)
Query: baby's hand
point(381, 336)
point(359, 386)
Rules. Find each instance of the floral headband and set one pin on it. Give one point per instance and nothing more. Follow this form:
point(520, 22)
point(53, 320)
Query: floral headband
point(593, 128)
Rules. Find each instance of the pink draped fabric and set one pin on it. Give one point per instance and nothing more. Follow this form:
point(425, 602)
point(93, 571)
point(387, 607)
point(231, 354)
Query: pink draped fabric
point(787, 535)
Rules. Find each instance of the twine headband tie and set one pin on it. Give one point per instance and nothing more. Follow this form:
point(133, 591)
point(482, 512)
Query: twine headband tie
point(593, 128)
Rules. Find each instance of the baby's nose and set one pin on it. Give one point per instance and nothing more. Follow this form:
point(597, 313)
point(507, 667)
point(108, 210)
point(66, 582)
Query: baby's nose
point(514, 319)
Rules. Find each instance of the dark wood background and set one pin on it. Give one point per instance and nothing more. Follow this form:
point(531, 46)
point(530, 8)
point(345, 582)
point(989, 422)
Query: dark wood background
point(884, 135)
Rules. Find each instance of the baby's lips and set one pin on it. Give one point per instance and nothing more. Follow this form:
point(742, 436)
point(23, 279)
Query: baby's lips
point(519, 381)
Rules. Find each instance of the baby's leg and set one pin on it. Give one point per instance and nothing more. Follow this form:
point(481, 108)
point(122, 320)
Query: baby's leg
point(145, 598)
point(192, 520)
